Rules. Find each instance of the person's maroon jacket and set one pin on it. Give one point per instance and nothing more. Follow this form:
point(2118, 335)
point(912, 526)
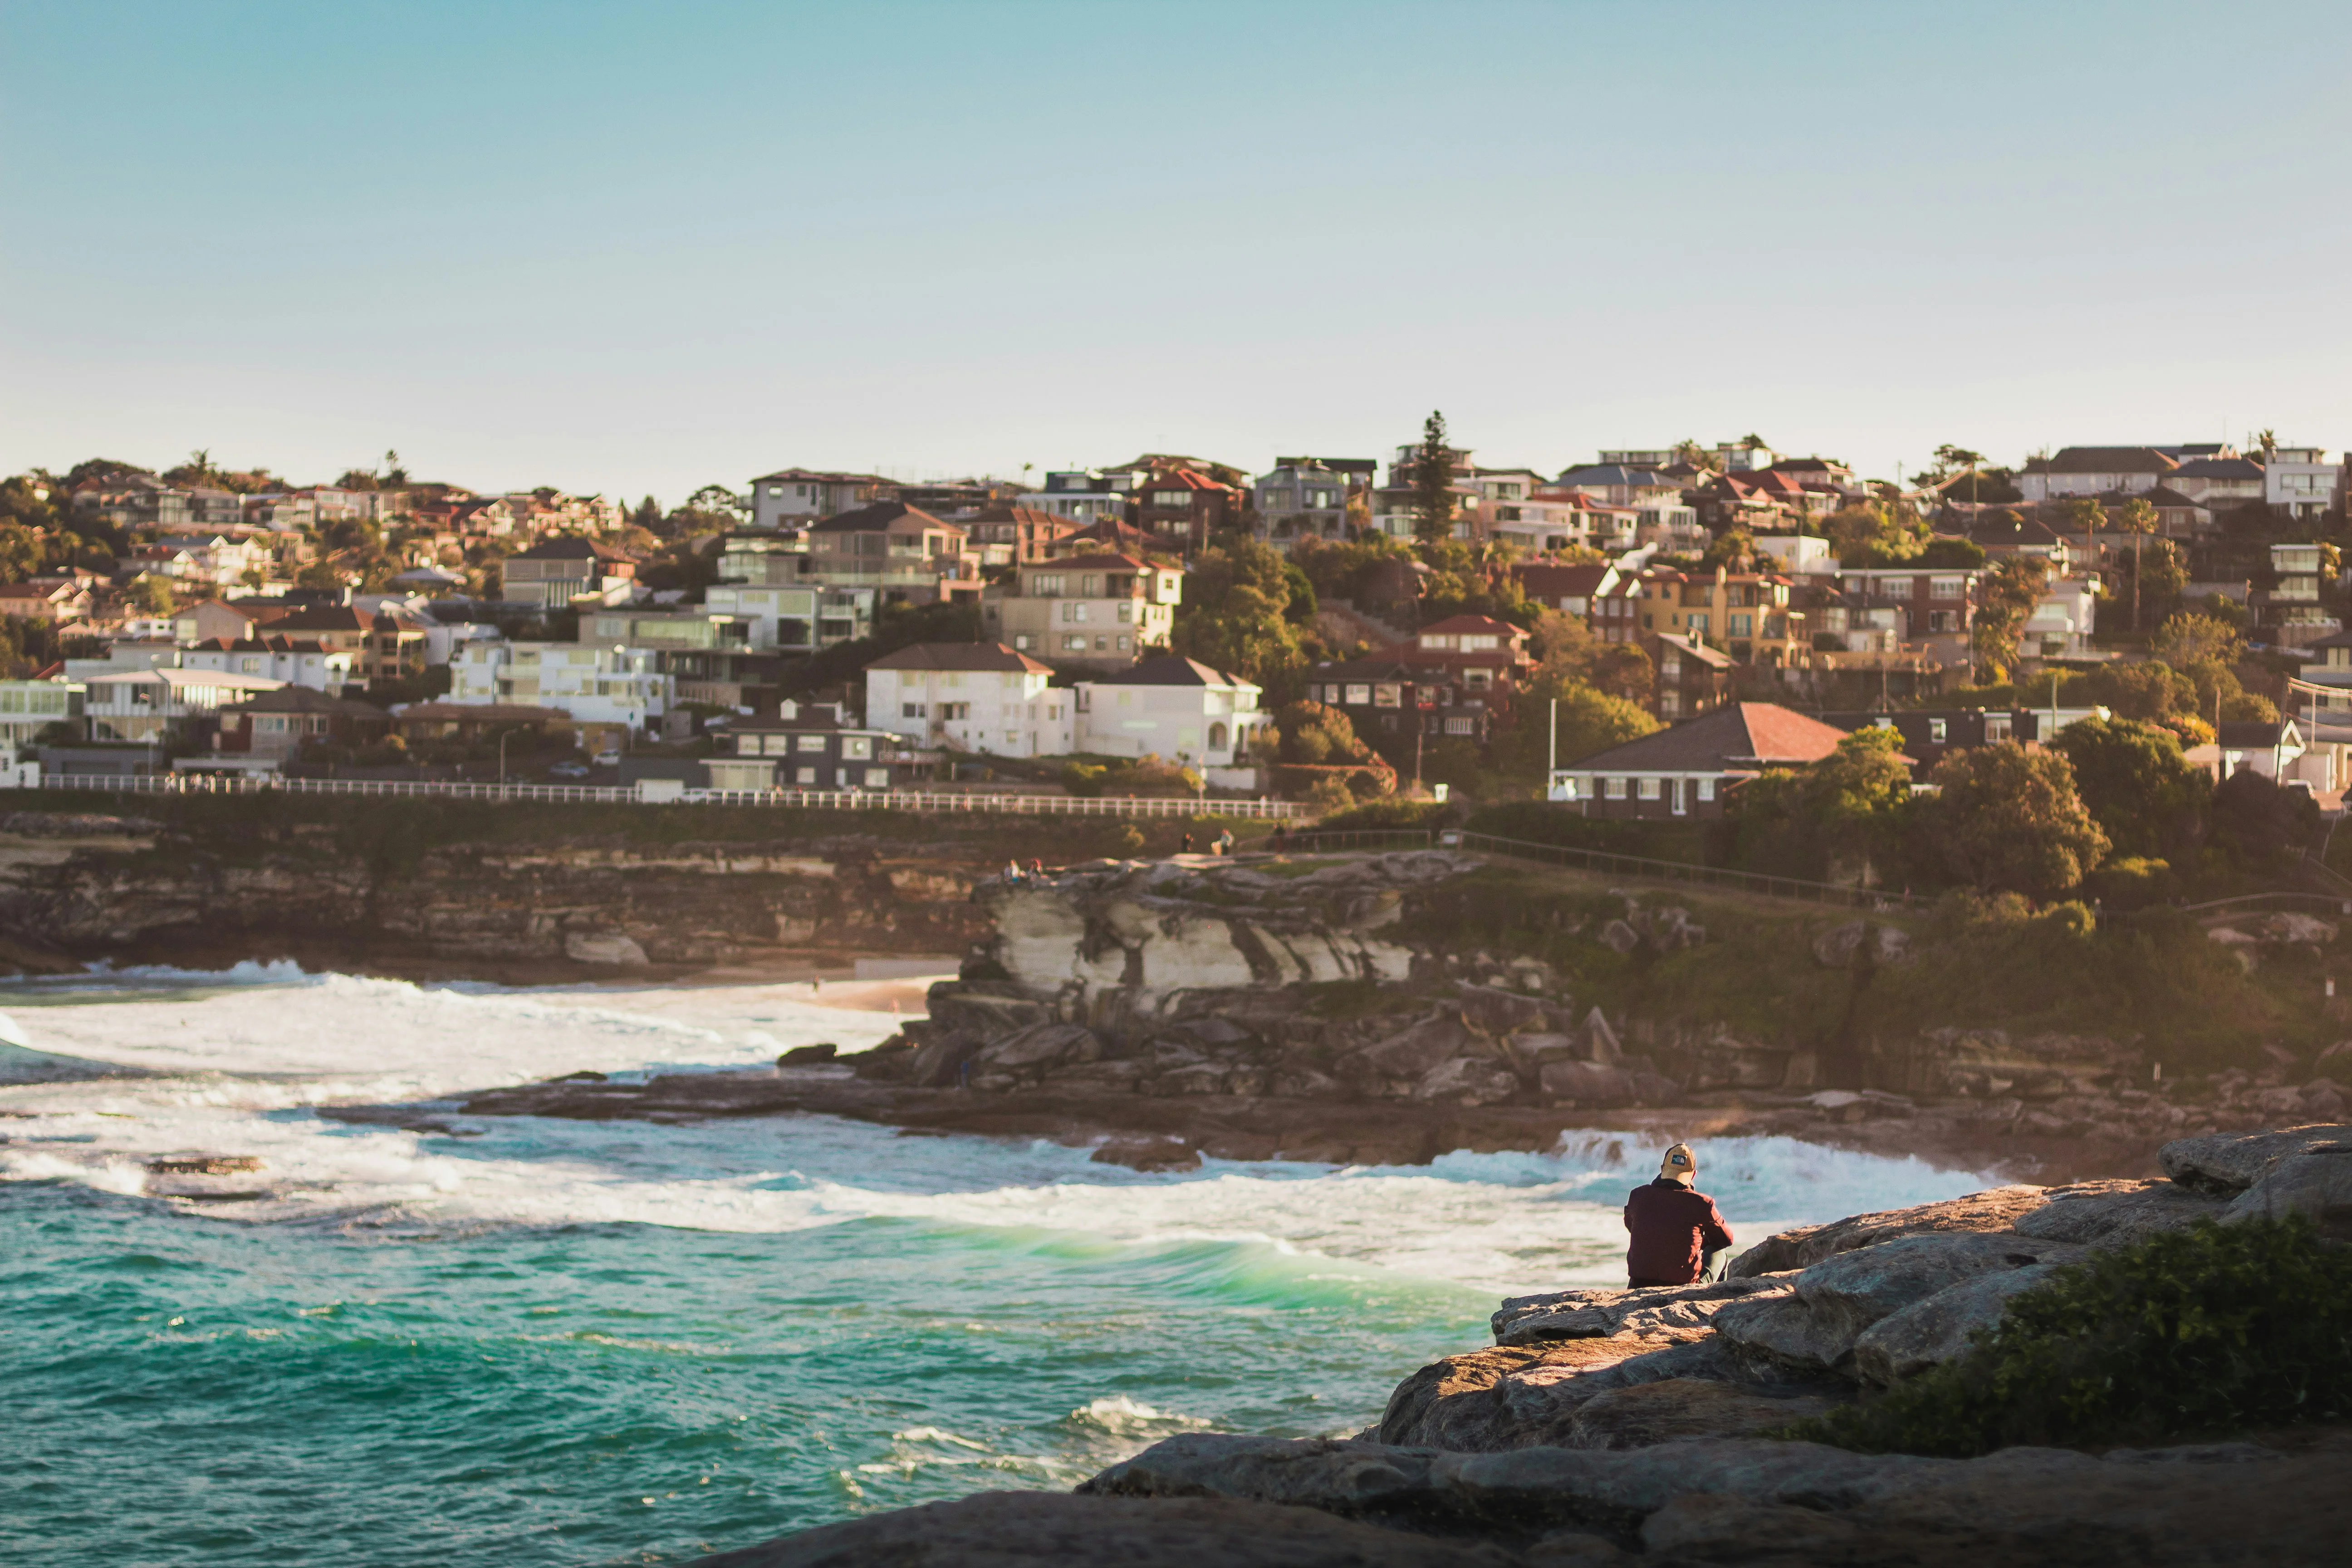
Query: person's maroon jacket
point(1673, 1229)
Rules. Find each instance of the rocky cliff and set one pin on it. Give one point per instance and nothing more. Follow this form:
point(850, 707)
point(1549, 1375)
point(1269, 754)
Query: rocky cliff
point(76, 887)
point(1347, 980)
point(1624, 1427)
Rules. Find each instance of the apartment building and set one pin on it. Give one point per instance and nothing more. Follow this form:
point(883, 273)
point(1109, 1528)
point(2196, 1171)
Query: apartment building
point(1085, 496)
point(1307, 498)
point(790, 497)
point(1747, 613)
point(1094, 610)
point(593, 685)
point(983, 699)
point(905, 554)
point(2301, 483)
point(1184, 507)
point(794, 619)
point(554, 572)
point(1932, 609)
point(1011, 535)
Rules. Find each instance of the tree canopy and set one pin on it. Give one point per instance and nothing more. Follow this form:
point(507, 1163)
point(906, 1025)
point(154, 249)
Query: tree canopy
point(2010, 820)
point(2137, 785)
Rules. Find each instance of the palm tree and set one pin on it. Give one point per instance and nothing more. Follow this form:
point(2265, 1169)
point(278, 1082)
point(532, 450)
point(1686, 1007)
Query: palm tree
point(2138, 519)
point(1952, 457)
point(2085, 513)
point(2268, 441)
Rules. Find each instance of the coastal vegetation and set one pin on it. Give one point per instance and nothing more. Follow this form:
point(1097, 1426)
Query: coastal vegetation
point(2206, 1333)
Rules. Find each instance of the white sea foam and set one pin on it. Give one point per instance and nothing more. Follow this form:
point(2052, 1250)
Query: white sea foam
point(242, 1060)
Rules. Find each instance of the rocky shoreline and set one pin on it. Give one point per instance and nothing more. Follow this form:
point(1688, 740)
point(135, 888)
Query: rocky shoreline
point(1628, 1426)
point(1268, 1008)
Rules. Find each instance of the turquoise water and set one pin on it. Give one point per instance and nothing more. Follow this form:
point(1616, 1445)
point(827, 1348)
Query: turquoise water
point(531, 1342)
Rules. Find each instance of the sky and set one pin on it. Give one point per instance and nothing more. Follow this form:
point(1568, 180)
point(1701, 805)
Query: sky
point(639, 247)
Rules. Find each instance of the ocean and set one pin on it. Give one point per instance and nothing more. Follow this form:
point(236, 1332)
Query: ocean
point(535, 1342)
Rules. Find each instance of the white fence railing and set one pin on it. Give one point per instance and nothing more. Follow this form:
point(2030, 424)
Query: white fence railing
point(1010, 801)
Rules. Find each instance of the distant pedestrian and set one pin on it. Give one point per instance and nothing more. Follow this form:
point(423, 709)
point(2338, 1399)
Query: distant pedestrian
point(1279, 839)
point(1013, 870)
point(1187, 849)
point(1036, 867)
point(1226, 842)
point(1679, 1235)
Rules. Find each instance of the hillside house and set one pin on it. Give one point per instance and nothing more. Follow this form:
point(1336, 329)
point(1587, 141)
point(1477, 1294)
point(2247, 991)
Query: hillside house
point(1689, 769)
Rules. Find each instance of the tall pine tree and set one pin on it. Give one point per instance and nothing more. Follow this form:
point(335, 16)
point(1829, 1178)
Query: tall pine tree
point(1433, 483)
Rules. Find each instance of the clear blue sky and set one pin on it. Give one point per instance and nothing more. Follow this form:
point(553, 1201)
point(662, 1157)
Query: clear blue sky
point(633, 247)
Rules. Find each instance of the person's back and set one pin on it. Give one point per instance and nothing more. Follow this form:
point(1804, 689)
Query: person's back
point(1677, 1232)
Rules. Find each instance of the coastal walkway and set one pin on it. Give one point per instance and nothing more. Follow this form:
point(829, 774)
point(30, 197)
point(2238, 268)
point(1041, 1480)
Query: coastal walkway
point(1026, 803)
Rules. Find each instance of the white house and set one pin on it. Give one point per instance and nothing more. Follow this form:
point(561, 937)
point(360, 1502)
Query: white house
point(29, 707)
point(150, 705)
point(594, 684)
point(981, 697)
point(1170, 707)
point(2299, 481)
point(2062, 623)
point(296, 663)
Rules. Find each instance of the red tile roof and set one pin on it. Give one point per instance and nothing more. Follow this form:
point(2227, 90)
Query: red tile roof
point(1740, 736)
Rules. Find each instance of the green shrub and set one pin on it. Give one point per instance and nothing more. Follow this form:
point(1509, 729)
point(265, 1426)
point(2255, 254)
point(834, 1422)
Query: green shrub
point(2134, 882)
point(1084, 779)
point(2196, 1333)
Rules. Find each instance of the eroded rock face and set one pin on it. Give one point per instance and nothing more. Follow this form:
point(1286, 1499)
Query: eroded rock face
point(2116, 1212)
point(2316, 1182)
point(1581, 1314)
point(1150, 928)
point(1998, 1209)
point(1750, 1501)
point(1934, 1329)
point(2227, 1163)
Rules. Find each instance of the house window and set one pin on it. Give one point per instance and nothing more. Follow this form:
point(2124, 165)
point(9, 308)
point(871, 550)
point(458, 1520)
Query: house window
point(805, 775)
point(1650, 789)
point(808, 742)
point(1123, 642)
point(1936, 730)
point(1045, 585)
point(1614, 788)
point(1461, 726)
point(1172, 498)
point(1742, 626)
point(877, 778)
point(1996, 728)
point(1897, 587)
point(1074, 643)
point(1946, 587)
point(1707, 789)
point(1359, 695)
point(910, 710)
point(1387, 695)
point(858, 748)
